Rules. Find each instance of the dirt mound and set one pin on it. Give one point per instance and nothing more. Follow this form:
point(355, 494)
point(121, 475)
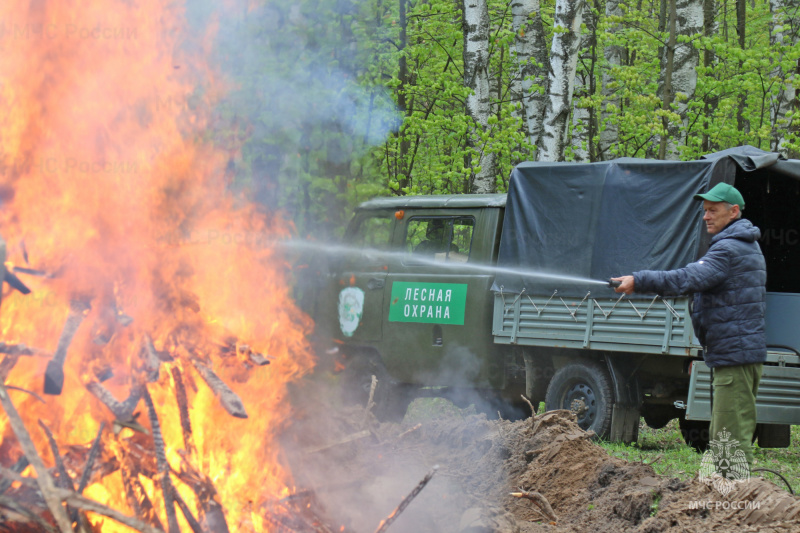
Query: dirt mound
point(359, 471)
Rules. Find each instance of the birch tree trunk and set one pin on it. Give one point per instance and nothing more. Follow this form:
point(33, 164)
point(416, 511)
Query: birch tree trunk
point(688, 22)
point(615, 56)
point(475, 24)
point(563, 63)
point(529, 85)
point(583, 116)
point(783, 36)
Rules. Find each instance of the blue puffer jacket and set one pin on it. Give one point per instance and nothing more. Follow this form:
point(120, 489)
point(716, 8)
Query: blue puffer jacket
point(729, 283)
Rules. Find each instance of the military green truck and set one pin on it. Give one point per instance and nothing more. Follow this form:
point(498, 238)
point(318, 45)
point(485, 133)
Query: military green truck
point(508, 293)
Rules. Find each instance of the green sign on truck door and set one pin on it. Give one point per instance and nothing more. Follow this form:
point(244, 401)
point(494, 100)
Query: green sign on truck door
point(433, 303)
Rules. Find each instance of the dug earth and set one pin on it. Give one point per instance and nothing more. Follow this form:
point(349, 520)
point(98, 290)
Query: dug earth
point(355, 471)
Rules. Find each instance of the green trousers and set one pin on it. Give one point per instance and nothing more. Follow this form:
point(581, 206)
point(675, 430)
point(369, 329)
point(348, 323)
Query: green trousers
point(734, 405)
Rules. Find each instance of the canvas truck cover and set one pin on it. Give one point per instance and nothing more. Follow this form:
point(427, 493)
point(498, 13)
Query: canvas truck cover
point(598, 220)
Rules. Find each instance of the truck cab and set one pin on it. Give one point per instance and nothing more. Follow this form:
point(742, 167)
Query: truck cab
point(411, 295)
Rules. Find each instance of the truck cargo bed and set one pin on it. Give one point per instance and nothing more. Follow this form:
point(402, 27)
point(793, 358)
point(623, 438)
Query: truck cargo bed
point(655, 326)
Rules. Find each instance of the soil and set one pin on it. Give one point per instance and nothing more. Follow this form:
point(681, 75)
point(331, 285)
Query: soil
point(357, 471)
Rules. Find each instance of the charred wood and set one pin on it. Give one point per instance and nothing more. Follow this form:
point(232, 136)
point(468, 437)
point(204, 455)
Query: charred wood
point(152, 358)
point(187, 513)
point(43, 478)
point(256, 358)
point(93, 452)
point(136, 495)
point(229, 399)
point(123, 411)
point(162, 464)
point(212, 515)
point(384, 525)
point(17, 468)
point(54, 374)
point(63, 481)
point(183, 408)
point(13, 512)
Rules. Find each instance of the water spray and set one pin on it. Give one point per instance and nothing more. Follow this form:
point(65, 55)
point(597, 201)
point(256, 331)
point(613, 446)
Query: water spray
point(421, 260)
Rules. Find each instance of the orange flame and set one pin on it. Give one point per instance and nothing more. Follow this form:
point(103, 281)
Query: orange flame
point(107, 183)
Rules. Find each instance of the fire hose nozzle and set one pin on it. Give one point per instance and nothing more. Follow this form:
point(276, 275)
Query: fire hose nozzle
point(614, 283)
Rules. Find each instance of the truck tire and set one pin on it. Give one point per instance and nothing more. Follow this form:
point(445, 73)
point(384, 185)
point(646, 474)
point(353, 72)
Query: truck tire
point(695, 433)
point(584, 388)
point(658, 416)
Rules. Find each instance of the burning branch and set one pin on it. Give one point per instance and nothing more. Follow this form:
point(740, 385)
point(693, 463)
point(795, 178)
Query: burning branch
point(183, 408)
point(229, 399)
point(54, 374)
point(163, 465)
point(136, 495)
point(43, 478)
point(386, 522)
point(123, 411)
point(93, 451)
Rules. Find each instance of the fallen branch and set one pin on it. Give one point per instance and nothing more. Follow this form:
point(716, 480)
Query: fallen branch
point(533, 411)
point(540, 502)
point(386, 522)
point(408, 431)
point(43, 478)
point(229, 399)
point(345, 440)
point(370, 400)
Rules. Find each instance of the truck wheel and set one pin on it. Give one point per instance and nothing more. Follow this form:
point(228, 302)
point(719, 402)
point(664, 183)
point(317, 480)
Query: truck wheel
point(658, 416)
point(585, 389)
point(695, 433)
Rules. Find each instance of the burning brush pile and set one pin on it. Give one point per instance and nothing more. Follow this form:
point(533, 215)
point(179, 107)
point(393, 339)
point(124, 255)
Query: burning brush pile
point(143, 379)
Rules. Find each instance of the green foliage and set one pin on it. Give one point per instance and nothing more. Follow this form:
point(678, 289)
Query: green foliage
point(342, 100)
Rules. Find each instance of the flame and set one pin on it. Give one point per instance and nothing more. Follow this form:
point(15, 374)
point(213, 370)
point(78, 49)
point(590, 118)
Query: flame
point(108, 184)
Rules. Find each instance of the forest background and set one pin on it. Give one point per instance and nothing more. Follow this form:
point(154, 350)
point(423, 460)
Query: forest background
point(339, 101)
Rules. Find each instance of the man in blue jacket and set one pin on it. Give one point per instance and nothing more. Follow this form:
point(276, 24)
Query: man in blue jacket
point(729, 286)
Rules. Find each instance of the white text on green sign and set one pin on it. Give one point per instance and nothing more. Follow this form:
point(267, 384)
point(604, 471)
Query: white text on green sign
point(434, 303)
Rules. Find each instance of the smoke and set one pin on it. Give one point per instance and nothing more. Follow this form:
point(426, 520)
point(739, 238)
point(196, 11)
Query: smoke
point(303, 94)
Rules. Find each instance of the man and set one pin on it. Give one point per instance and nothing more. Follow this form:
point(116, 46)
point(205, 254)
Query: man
point(729, 286)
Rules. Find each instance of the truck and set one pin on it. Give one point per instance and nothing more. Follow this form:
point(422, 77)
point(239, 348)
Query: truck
point(507, 294)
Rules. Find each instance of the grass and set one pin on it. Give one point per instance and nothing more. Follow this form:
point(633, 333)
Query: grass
point(670, 457)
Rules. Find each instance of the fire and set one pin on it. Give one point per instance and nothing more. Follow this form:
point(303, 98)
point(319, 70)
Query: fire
point(111, 192)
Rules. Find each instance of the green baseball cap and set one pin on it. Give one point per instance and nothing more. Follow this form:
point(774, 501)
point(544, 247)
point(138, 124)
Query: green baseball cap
point(722, 192)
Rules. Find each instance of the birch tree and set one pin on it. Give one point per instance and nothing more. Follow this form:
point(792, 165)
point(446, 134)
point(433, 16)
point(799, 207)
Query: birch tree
point(679, 74)
point(615, 56)
point(529, 84)
point(475, 24)
point(784, 37)
point(584, 121)
point(563, 64)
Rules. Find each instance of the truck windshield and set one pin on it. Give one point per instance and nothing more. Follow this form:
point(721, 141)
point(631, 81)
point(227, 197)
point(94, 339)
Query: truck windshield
point(440, 238)
point(373, 232)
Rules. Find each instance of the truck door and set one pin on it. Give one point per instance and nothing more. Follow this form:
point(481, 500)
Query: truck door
point(362, 277)
point(436, 330)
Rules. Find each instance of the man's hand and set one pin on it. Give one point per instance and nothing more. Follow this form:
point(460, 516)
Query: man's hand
point(625, 284)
